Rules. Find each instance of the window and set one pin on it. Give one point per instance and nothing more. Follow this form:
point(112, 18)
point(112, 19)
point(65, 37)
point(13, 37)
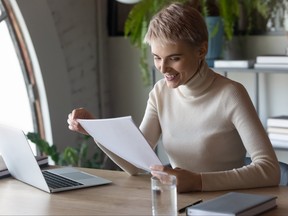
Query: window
point(19, 107)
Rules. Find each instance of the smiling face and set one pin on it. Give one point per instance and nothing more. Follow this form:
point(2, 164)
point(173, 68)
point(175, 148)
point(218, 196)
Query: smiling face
point(178, 62)
point(178, 38)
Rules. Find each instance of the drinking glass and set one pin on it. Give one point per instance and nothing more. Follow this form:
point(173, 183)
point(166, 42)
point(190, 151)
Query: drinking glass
point(164, 194)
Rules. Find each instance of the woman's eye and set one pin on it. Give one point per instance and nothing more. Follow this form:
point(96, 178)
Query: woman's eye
point(175, 58)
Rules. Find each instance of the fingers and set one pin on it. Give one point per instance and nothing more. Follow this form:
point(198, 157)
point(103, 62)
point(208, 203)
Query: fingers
point(159, 169)
point(73, 124)
point(78, 113)
point(73, 114)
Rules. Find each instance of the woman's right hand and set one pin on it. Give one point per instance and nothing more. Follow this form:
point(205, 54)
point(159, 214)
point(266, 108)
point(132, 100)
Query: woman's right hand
point(79, 113)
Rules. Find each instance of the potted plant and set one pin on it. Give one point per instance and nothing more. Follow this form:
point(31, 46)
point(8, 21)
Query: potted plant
point(220, 17)
point(71, 156)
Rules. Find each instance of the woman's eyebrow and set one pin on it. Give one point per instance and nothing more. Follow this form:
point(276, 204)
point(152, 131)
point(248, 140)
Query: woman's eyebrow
point(172, 55)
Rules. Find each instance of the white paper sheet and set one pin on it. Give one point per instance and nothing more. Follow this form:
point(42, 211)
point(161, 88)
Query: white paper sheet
point(123, 138)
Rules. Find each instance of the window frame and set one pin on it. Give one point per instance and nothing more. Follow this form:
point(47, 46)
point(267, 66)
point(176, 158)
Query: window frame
point(9, 17)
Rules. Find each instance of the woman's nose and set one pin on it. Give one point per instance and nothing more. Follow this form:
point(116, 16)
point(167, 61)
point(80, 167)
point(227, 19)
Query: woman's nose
point(162, 67)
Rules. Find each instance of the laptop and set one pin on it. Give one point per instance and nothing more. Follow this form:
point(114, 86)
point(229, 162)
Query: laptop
point(22, 165)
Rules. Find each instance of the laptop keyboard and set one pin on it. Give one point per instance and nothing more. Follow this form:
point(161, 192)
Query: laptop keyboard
point(55, 181)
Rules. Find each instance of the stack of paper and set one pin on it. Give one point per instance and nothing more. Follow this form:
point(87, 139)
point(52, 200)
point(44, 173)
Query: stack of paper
point(122, 137)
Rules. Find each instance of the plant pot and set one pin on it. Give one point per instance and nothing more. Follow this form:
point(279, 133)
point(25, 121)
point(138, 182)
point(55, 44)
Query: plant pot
point(216, 39)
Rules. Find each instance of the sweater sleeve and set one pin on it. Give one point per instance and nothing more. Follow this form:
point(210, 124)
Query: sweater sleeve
point(150, 125)
point(264, 169)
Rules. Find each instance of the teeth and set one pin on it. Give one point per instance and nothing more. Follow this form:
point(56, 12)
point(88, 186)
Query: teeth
point(170, 76)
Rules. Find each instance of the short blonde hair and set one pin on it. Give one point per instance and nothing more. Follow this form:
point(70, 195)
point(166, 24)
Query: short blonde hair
point(176, 22)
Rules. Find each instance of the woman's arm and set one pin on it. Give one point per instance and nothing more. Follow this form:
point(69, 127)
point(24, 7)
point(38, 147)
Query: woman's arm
point(264, 169)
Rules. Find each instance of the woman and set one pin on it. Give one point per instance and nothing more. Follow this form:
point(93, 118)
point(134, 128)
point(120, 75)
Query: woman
point(207, 121)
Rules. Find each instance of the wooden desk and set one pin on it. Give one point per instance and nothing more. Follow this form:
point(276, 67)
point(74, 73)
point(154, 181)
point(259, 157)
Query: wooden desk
point(127, 195)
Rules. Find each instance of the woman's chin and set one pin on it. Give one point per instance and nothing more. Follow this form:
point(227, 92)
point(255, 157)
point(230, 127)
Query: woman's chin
point(172, 84)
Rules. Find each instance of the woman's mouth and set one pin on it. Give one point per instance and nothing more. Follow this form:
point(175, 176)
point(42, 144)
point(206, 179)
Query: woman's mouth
point(170, 77)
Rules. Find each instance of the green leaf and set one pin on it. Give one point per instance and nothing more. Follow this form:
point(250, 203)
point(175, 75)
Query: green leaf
point(70, 155)
point(229, 11)
point(44, 146)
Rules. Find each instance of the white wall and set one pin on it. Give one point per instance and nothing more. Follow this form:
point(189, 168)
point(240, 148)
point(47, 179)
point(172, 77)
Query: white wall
point(128, 93)
point(45, 40)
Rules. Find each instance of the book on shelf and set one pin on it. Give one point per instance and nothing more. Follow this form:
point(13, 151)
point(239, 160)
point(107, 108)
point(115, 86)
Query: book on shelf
point(270, 66)
point(277, 130)
point(234, 63)
point(278, 136)
point(277, 121)
point(272, 59)
point(234, 203)
point(4, 172)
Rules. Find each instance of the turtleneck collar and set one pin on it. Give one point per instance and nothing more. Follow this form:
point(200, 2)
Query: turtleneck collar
point(199, 83)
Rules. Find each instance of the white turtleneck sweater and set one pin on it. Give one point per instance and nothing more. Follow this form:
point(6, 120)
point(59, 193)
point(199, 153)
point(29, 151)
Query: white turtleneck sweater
point(207, 126)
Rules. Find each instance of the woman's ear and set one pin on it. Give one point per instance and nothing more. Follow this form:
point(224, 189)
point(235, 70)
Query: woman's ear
point(203, 49)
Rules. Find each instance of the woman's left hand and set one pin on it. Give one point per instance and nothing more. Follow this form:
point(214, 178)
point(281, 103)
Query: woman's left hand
point(186, 180)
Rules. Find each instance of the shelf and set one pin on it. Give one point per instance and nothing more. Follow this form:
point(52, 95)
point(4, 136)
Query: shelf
point(256, 71)
point(279, 144)
point(251, 70)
